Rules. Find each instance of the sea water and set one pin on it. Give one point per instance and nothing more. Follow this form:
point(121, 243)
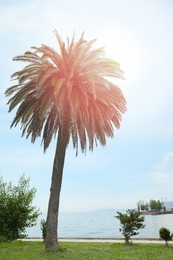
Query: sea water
point(103, 224)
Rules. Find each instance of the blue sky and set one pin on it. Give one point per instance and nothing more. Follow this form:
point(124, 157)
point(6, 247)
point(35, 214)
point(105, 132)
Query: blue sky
point(137, 164)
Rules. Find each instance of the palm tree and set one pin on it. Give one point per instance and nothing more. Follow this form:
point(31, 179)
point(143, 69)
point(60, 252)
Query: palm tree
point(63, 95)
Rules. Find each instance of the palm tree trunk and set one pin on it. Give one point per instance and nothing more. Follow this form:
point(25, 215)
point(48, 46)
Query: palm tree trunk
point(51, 241)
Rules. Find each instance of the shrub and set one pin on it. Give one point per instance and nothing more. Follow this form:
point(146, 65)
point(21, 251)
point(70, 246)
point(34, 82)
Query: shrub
point(16, 210)
point(43, 228)
point(130, 222)
point(165, 234)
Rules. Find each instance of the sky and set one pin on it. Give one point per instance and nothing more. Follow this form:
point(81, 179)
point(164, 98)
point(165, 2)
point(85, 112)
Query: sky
point(137, 164)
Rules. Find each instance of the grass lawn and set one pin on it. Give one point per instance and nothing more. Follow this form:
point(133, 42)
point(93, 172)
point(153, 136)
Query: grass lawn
point(21, 250)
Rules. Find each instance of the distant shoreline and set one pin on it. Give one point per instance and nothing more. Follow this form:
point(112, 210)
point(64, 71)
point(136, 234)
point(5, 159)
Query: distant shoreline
point(157, 212)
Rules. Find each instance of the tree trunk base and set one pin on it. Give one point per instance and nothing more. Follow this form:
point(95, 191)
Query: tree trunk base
point(52, 246)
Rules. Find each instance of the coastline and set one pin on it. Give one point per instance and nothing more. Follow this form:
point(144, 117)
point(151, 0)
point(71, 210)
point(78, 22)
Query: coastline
point(157, 212)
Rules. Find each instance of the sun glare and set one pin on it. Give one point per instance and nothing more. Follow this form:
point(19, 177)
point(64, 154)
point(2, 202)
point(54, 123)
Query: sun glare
point(122, 46)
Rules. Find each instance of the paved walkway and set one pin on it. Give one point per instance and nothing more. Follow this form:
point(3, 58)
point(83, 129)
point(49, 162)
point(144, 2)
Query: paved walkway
point(103, 240)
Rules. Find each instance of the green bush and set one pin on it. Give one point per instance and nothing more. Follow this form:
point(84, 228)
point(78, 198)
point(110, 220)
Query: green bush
point(16, 210)
point(130, 222)
point(43, 228)
point(165, 234)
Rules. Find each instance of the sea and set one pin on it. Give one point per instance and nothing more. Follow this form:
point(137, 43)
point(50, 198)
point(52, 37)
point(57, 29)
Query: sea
point(102, 224)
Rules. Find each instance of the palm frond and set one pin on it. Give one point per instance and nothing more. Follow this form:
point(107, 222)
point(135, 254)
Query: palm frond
point(70, 90)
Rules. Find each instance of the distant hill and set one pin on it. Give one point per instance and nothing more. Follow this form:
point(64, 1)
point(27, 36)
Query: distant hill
point(169, 205)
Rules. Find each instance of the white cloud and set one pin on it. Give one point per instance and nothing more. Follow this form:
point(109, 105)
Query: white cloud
point(162, 173)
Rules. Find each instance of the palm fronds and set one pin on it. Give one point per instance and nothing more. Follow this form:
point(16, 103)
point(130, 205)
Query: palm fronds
point(70, 90)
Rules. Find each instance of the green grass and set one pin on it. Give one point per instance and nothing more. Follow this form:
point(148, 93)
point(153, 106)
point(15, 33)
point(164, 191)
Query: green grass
point(21, 250)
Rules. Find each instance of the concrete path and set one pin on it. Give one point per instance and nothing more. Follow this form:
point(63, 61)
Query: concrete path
point(102, 240)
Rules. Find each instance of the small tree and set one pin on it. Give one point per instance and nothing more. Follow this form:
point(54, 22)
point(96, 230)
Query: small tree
point(43, 228)
point(130, 222)
point(142, 205)
point(16, 210)
point(156, 205)
point(165, 234)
